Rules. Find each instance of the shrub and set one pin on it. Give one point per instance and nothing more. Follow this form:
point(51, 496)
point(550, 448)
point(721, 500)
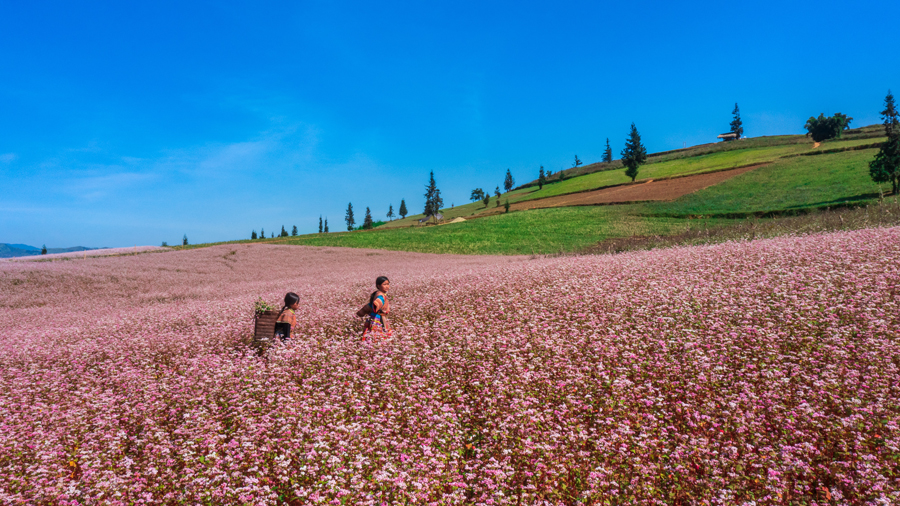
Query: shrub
point(824, 128)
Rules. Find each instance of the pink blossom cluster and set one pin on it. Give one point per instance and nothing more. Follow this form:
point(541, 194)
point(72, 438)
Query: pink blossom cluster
point(763, 372)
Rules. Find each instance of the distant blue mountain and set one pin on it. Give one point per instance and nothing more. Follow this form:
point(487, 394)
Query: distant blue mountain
point(24, 250)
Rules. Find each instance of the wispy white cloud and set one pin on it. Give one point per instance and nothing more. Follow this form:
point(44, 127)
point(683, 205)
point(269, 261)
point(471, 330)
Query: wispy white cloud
point(269, 150)
point(8, 157)
point(95, 187)
point(239, 155)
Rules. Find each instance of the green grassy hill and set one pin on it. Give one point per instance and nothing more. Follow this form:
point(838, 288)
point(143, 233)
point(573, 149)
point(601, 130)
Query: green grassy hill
point(696, 160)
point(798, 177)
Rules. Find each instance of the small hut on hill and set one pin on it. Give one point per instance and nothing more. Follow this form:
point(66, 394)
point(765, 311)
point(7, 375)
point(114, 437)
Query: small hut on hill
point(728, 136)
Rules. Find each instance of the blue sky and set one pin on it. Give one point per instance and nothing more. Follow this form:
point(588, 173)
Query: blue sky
point(126, 124)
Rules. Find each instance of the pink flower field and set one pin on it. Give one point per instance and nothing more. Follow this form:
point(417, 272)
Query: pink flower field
point(765, 372)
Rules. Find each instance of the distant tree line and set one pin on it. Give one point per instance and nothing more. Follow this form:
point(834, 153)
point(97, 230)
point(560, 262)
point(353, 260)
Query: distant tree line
point(262, 233)
point(368, 221)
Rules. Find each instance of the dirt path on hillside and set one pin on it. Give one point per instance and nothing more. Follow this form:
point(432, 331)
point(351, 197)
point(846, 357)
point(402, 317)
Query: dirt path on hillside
point(651, 190)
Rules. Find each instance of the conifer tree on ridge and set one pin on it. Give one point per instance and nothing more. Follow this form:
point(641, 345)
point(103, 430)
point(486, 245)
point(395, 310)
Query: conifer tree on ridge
point(349, 217)
point(634, 154)
point(737, 127)
point(433, 200)
point(885, 168)
point(367, 220)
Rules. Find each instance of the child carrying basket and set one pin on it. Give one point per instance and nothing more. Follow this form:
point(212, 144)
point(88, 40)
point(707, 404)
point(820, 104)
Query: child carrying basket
point(286, 318)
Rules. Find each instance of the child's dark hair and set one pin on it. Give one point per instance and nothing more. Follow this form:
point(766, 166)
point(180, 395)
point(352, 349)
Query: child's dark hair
point(290, 299)
point(378, 282)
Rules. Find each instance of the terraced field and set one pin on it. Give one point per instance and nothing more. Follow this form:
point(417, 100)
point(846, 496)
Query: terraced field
point(754, 152)
point(793, 175)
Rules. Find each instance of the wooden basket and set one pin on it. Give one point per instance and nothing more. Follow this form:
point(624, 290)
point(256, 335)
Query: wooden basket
point(264, 331)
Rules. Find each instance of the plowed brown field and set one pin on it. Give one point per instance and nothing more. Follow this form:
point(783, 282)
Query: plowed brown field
point(664, 189)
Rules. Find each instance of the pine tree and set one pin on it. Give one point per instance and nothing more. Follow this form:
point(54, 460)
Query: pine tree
point(438, 201)
point(542, 178)
point(885, 168)
point(320, 223)
point(486, 200)
point(634, 153)
point(433, 200)
point(349, 217)
point(294, 231)
point(367, 220)
point(390, 213)
point(737, 127)
point(576, 163)
point(272, 236)
point(262, 233)
point(508, 181)
point(253, 235)
point(607, 153)
point(497, 195)
point(283, 232)
point(402, 211)
point(889, 114)
point(44, 249)
point(184, 242)
point(326, 225)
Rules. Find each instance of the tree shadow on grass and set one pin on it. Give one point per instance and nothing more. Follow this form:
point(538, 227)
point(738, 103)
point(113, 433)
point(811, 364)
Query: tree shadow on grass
point(841, 202)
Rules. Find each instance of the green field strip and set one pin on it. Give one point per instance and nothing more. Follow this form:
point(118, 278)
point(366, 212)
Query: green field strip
point(791, 183)
point(541, 231)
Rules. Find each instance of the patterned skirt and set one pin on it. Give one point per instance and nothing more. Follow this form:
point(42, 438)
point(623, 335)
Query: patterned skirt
point(374, 328)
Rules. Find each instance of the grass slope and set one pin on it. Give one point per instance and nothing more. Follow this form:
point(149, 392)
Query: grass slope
point(740, 154)
point(543, 231)
point(835, 176)
point(789, 184)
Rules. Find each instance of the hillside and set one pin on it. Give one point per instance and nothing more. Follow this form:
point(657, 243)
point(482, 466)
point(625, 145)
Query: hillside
point(679, 163)
point(786, 175)
point(724, 190)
